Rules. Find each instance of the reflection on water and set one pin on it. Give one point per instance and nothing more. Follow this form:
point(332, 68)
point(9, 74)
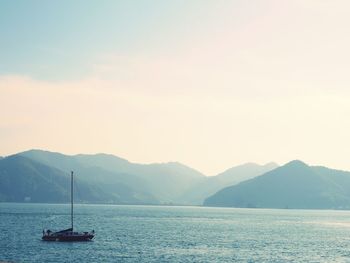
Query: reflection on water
point(331, 223)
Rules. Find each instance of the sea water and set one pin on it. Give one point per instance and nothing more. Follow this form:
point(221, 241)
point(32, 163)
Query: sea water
point(175, 234)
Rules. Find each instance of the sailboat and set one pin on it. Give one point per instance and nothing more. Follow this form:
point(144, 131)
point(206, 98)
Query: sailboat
point(68, 235)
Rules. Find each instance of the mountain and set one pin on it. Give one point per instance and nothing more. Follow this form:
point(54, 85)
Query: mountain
point(294, 185)
point(25, 180)
point(211, 184)
point(155, 183)
point(166, 182)
point(86, 169)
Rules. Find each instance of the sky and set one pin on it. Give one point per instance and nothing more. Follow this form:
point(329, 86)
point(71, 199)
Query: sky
point(211, 84)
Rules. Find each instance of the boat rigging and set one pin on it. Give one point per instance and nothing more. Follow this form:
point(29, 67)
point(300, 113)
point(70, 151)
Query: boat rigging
point(68, 235)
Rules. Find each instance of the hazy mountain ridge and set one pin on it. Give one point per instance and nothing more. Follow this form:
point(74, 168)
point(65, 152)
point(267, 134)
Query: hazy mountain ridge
point(86, 168)
point(232, 176)
point(294, 185)
point(109, 179)
point(23, 179)
point(164, 181)
point(127, 182)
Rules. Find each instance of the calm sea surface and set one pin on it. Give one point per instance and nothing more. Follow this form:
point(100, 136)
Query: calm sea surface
point(175, 234)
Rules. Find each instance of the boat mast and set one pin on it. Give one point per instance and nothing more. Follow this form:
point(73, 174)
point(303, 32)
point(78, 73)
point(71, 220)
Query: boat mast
point(71, 198)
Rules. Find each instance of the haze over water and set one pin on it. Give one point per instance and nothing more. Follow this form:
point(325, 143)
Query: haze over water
point(175, 234)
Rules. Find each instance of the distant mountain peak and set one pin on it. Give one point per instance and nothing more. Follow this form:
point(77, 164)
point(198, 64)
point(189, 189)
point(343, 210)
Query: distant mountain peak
point(40, 151)
point(296, 163)
point(293, 185)
point(250, 165)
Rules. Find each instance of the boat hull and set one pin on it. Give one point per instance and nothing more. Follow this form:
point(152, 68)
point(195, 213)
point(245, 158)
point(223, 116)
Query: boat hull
point(68, 238)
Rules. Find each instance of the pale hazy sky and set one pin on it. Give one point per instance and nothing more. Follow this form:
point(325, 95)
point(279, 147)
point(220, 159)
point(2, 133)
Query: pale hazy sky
point(210, 84)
